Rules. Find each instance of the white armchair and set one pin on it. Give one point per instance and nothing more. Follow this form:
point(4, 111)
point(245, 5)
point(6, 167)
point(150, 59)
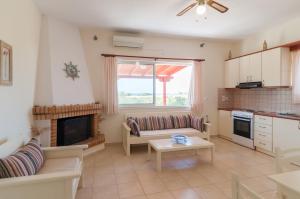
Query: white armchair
point(59, 178)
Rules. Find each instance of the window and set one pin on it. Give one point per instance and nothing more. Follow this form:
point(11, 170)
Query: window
point(153, 83)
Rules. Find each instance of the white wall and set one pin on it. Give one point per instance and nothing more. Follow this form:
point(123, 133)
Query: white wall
point(277, 35)
point(214, 53)
point(20, 27)
point(60, 44)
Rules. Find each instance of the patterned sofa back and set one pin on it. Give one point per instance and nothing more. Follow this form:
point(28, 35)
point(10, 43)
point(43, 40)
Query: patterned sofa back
point(158, 113)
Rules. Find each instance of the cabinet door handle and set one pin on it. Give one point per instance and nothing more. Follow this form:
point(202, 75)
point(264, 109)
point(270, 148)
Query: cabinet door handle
point(263, 127)
point(262, 135)
point(299, 125)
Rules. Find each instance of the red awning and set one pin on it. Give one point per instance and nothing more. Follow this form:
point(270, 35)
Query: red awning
point(140, 71)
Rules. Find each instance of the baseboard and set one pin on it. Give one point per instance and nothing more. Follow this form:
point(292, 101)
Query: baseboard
point(223, 137)
point(94, 149)
point(266, 152)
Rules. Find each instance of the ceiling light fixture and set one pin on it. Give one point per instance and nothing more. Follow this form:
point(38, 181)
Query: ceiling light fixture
point(201, 9)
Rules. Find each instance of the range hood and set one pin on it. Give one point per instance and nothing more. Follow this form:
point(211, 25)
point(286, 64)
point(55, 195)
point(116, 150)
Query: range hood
point(249, 85)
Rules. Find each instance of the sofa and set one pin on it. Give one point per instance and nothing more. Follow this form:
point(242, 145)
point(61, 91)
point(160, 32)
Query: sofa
point(145, 135)
point(59, 176)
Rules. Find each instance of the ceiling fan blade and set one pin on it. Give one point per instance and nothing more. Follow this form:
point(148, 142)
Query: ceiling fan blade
point(219, 7)
point(186, 9)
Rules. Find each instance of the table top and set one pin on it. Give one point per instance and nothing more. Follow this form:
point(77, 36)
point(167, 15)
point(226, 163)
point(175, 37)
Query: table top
point(289, 180)
point(168, 145)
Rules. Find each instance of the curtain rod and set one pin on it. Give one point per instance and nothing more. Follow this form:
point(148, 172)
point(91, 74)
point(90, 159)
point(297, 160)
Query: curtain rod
point(171, 58)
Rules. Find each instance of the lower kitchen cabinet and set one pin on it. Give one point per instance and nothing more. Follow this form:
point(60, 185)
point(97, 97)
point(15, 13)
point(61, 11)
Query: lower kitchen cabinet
point(225, 124)
point(263, 133)
point(286, 133)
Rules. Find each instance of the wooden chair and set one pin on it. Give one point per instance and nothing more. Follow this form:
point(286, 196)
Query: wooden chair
point(287, 160)
point(241, 191)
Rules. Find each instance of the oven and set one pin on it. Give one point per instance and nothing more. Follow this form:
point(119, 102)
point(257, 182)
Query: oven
point(243, 128)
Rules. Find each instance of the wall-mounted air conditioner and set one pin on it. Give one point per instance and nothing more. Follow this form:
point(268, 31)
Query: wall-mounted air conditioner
point(129, 42)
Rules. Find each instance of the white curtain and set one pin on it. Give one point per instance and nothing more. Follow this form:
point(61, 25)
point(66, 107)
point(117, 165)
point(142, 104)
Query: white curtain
point(296, 76)
point(196, 99)
point(111, 87)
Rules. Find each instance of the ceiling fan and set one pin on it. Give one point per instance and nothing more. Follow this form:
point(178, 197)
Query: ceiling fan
point(202, 6)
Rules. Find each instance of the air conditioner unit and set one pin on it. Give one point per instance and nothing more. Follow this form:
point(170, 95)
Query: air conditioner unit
point(129, 42)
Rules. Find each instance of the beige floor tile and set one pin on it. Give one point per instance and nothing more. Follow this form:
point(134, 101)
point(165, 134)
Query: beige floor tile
point(197, 180)
point(130, 190)
point(153, 186)
point(106, 192)
point(84, 193)
point(185, 194)
point(103, 180)
point(145, 175)
point(126, 177)
point(175, 184)
point(210, 192)
point(137, 197)
point(163, 195)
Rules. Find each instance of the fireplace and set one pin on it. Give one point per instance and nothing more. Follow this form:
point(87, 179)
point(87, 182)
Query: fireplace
point(73, 130)
point(72, 124)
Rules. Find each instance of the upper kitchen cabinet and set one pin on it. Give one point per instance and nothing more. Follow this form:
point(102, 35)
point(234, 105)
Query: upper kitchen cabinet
point(276, 67)
point(232, 73)
point(250, 68)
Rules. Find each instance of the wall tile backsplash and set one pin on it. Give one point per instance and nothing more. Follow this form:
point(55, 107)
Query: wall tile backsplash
point(262, 99)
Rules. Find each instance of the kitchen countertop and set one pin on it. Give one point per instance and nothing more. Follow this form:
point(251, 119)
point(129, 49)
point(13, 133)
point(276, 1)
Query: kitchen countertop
point(265, 113)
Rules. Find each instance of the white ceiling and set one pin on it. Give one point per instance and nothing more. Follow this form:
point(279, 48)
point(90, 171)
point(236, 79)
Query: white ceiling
point(244, 17)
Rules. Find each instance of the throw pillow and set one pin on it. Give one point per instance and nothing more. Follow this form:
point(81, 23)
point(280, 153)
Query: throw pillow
point(28, 160)
point(133, 125)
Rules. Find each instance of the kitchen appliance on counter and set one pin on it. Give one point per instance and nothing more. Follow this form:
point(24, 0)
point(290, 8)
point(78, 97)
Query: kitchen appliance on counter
point(243, 132)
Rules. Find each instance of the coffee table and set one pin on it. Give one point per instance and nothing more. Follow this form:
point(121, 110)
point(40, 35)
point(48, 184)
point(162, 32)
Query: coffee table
point(167, 145)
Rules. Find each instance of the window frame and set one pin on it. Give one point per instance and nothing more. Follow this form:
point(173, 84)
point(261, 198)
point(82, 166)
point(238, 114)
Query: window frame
point(153, 105)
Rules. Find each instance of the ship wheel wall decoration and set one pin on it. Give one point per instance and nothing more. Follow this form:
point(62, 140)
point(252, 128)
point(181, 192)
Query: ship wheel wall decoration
point(71, 70)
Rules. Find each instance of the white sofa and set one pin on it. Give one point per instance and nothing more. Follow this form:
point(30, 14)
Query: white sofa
point(59, 177)
point(145, 136)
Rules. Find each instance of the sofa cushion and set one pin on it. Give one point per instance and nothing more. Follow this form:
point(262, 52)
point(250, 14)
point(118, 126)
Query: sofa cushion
point(198, 123)
point(168, 122)
point(135, 129)
point(181, 121)
point(184, 131)
point(60, 164)
point(26, 161)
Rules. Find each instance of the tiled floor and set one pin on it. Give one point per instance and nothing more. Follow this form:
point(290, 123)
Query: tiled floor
point(109, 174)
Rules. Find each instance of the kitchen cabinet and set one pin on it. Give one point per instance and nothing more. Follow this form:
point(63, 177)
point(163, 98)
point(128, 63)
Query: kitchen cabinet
point(250, 68)
point(276, 67)
point(286, 133)
point(244, 69)
point(263, 133)
point(225, 124)
point(232, 73)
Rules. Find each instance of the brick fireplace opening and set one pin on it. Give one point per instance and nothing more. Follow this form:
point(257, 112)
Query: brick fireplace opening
point(73, 130)
point(72, 124)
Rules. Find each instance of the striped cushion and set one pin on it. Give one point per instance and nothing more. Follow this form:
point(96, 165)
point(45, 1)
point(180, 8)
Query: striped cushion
point(168, 122)
point(28, 160)
point(198, 123)
point(155, 123)
point(135, 129)
point(161, 123)
point(182, 121)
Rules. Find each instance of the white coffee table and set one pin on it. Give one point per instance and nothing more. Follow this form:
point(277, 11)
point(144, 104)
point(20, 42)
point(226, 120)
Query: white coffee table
point(166, 145)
